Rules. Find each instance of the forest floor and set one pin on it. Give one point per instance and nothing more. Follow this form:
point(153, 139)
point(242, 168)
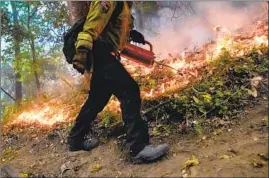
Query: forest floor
point(239, 151)
point(235, 145)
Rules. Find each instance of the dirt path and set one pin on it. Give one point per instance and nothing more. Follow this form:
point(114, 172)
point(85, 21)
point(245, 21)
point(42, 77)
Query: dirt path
point(230, 153)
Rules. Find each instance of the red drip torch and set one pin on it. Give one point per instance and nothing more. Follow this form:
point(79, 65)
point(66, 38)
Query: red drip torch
point(142, 56)
point(139, 55)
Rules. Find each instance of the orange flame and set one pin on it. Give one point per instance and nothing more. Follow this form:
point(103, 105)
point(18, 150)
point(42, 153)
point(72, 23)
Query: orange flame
point(187, 64)
point(163, 89)
point(150, 94)
point(45, 116)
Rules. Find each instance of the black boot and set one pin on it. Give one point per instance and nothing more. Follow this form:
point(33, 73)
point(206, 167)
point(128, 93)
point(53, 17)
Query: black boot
point(85, 144)
point(150, 153)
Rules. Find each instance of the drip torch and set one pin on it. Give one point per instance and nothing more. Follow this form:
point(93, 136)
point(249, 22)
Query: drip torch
point(143, 56)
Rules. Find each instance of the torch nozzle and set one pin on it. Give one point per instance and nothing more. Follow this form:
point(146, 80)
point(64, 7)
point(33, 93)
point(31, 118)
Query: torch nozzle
point(168, 66)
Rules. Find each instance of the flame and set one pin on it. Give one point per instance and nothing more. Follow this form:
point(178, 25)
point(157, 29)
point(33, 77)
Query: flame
point(222, 43)
point(46, 117)
point(179, 64)
point(259, 40)
point(150, 94)
point(163, 89)
point(187, 62)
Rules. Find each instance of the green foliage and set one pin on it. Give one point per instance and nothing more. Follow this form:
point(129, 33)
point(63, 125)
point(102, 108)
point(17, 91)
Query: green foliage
point(8, 155)
point(198, 128)
point(161, 130)
point(8, 111)
point(222, 93)
point(5, 21)
point(146, 6)
point(109, 119)
point(38, 31)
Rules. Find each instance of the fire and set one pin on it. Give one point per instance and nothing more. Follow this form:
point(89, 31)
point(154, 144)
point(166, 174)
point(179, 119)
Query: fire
point(167, 80)
point(259, 40)
point(163, 89)
point(150, 94)
point(223, 43)
point(45, 117)
point(113, 105)
point(236, 42)
point(189, 65)
point(179, 64)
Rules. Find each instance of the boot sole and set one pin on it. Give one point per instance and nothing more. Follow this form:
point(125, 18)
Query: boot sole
point(140, 160)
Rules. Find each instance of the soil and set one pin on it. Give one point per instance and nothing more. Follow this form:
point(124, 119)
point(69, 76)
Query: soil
point(232, 152)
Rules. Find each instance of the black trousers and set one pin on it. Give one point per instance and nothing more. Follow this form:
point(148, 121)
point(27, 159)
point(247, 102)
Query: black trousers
point(110, 77)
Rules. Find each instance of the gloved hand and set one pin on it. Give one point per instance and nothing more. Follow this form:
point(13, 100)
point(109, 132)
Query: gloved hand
point(137, 37)
point(83, 59)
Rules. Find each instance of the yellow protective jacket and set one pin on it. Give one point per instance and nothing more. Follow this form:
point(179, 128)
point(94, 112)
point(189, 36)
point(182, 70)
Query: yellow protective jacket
point(100, 25)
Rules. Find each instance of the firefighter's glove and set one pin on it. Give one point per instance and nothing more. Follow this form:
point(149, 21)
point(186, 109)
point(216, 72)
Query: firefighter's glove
point(137, 37)
point(82, 60)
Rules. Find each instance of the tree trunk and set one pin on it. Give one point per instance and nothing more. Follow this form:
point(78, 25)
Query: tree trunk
point(17, 41)
point(34, 62)
point(32, 45)
point(77, 9)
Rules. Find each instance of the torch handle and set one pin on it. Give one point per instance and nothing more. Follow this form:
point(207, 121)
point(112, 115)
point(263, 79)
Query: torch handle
point(150, 45)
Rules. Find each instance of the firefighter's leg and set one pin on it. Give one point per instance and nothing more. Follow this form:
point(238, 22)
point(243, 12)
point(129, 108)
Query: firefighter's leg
point(97, 100)
point(125, 88)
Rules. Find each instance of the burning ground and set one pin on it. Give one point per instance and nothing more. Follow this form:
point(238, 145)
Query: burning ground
point(205, 96)
point(157, 82)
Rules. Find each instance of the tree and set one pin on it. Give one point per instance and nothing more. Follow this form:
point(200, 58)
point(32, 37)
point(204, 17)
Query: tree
point(17, 34)
point(31, 39)
point(77, 9)
point(32, 30)
point(144, 9)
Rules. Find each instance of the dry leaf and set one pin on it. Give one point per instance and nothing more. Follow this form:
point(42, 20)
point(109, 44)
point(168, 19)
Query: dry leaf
point(255, 81)
point(24, 175)
point(217, 132)
point(258, 164)
point(191, 162)
point(225, 157)
point(97, 167)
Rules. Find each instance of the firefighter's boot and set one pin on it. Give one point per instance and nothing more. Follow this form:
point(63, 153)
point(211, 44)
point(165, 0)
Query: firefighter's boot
point(150, 153)
point(86, 144)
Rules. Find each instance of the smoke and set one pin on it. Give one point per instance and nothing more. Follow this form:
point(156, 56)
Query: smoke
point(172, 31)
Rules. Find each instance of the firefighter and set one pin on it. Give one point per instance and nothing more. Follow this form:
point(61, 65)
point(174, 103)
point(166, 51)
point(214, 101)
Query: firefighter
point(108, 28)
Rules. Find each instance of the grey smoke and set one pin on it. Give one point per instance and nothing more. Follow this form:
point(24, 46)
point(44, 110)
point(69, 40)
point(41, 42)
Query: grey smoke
point(173, 35)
